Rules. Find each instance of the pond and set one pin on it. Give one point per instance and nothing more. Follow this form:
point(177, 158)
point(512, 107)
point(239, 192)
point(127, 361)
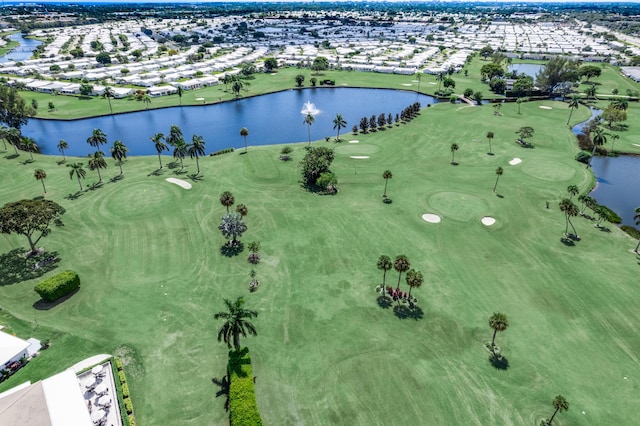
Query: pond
point(617, 185)
point(271, 119)
point(528, 69)
point(23, 51)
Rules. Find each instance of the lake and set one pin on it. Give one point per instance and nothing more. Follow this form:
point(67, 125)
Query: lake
point(271, 119)
point(22, 52)
point(617, 185)
point(528, 69)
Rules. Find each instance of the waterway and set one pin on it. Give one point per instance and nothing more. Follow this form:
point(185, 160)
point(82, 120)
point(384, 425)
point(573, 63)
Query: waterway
point(271, 119)
point(528, 69)
point(22, 52)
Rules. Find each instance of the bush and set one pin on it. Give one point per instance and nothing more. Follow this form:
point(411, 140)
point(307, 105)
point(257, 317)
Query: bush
point(128, 405)
point(122, 377)
point(611, 215)
point(118, 364)
point(583, 157)
point(584, 142)
point(222, 151)
point(254, 258)
point(59, 285)
point(634, 232)
point(286, 150)
point(243, 409)
point(125, 391)
point(131, 420)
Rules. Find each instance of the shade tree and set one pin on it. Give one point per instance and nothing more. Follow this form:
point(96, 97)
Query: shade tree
point(498, 322)
point(77, 170)
point(401, 264)
point(30, 218)
point(227, 200)
point(570, 210)
point(499, 172)
point(386, 175)
point(119, 153)
point(62, 145)
point(235, 323)
point(40, 175)
point(97, 162)
point(232, 227)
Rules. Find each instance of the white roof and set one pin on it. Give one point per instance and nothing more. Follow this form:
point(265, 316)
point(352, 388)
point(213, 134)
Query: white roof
point(10, 346)
point(65, 401)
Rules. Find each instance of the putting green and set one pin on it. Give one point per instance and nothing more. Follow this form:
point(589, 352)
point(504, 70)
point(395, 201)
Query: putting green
point(548, 170)
point(458, 206)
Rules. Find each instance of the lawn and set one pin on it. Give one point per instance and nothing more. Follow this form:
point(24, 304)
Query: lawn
point(148, 254)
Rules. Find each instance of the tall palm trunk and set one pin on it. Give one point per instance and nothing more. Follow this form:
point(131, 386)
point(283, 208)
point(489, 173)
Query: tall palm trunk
point(181, 165)
point(572, 227)
point(496, 185)
point(160, 159)
point(637, 246)
point(386, 181)
point(197, 166)
point(99, 175)
point(399, 276)
point(80, 183)
point(384, 274)
point(309, 133)
point(43, 187)
point(236, 340)
point(551, 419)
point(245, 144)
point(110, 109)
point(570, 114)
point(566, 228)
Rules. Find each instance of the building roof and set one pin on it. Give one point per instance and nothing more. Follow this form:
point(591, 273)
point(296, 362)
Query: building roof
point(26, 407)
point(10, 346)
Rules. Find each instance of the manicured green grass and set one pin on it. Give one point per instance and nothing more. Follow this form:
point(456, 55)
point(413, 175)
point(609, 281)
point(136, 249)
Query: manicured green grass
point(148, 255)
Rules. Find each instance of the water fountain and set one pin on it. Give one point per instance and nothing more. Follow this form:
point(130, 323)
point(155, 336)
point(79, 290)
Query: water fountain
point(309, 108)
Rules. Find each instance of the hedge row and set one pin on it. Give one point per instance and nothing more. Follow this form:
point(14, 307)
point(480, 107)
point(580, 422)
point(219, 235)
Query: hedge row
point(243, 409)
point(126, 395)
point(58, 286)
point(222, 151)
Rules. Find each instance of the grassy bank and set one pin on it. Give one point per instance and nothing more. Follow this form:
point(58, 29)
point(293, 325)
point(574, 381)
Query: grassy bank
point(148, 254)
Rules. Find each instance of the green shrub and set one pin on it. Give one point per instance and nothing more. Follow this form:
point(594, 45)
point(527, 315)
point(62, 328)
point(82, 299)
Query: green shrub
point(125, 390)
point(634, 232)
point(131, 420)
point(128, 405)
point(122, 377)
point(583, 157)
point(118, 364)
point(243, 409)
point(59, 285)
point(611, 215)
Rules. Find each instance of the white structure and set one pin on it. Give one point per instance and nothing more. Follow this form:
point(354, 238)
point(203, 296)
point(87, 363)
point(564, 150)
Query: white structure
point(56, 401)
point(12, 349)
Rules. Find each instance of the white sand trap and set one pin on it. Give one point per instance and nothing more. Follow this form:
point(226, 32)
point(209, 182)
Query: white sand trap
point(354, 141)
point(431, 82)
point(488, 221)
point(406, 84)
point(635, 144)
point(360, 157)
point(431, 218)
point(544, 107)
point(182, 183)
point(515, 161)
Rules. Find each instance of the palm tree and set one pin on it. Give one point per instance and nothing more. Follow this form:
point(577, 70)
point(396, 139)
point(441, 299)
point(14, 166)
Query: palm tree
point(3, 136)
point(454, 148)
point(599, 139)
point(235, 323)
point(29, 145)
point(490, 137)
point(78, 171)
point(560, 404)
point(499, 172)
point(14, 137)
point(244, 132)
point(572, 190)
point(147, 100)
point(237, 86)
point(179, 92)
point(590, 92)
point(242, 209)
point(180, 150)
point(498, 322)
point(574, 103)
point(97, 138)
point(401, 264)
point(196, 149)
point(309, 120)
point(62, 145)
point(40, 175)
point(570, 210)
point(119, 153)
point(108, 93)
point(386, 175)
point(175, 135)
point(384, 264)
point(227, 199)
point(414, 280)
point(339, 123)
point(440, 78)
point(637, 219)
point(97, 162)
point(157, 140)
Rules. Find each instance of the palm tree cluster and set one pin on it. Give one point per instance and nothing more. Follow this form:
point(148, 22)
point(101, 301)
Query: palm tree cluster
point(413, 278)
point(17, 141)
point(380, 122)
point(181, 148)
point(232, 224)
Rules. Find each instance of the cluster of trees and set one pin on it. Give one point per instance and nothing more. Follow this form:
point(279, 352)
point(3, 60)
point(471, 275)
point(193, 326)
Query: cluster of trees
point(316, 172)
point(181, 148)
point(232, 224)
point(382, 121)
point(413, 278)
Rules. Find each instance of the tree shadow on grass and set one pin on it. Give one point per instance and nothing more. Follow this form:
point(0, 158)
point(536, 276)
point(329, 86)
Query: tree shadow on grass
point(229, 249)
point(15, 267)
point(223, 384)
point(74, 196)
point(499, 362)
point(94, 186)
point(567, 242)
point(44, 305)
point(116, 178)
point(384, 302)
point(387, 200)
point(12, 156)
point(195, 177)
point(406, 312)
point(172, 165)
point(603, 229)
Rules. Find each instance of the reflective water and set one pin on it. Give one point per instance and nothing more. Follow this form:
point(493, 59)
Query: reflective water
point(528, 69)
point(618, 182)
point(270, 119)
point(22, 52)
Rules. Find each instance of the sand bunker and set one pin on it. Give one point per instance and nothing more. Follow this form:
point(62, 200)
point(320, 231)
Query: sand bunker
point(406, 84)
point(544, 107)
point(354, 141)
point(488, 221)
point(635, 144)
point(431, 218)
point(179, 182)
point(360, 157)
point(515, 161)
